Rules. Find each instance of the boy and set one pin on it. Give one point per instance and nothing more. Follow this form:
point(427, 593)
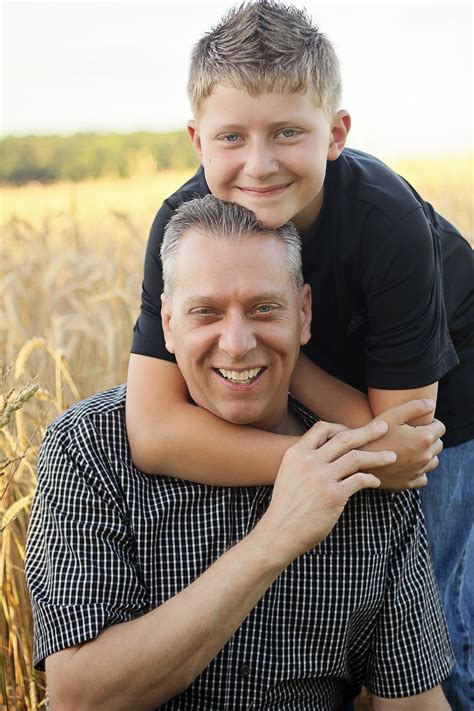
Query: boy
point(265, 92)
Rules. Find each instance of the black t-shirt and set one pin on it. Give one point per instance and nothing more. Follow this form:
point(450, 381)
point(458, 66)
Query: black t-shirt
point(376, 260)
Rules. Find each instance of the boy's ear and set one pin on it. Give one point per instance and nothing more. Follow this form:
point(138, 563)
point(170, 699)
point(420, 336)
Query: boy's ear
point(193, 133)
point(306, 314)
point(166, 315)
point(339, 131)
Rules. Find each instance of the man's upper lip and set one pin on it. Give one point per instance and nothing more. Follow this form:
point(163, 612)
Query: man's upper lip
point(238, 370)
point(265, 189)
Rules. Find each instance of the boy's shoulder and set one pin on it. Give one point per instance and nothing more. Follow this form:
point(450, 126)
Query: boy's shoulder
point(365, 183)
point(195, 187)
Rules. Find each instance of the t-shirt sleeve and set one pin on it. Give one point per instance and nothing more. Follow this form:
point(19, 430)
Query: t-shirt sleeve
point(148, 338)
point(408, 343)
point(81, 564)
point(410, 651)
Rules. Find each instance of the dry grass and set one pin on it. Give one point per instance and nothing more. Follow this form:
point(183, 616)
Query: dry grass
point(72, 257)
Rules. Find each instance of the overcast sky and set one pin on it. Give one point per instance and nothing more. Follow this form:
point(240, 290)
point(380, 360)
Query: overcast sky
point(76, 66)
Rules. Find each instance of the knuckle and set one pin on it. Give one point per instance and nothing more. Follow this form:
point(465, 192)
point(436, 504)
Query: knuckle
point(355, 456)
point(344, 438)
point(426, 440)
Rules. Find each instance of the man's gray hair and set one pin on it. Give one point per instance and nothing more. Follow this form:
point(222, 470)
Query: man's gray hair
point(227, 221)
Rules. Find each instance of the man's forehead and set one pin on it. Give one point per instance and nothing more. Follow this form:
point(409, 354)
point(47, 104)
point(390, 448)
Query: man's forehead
point(251, 267)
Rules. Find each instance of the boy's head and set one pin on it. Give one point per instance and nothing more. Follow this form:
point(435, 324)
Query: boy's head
point(265, 90)
point(266, 46)
point(235, 310)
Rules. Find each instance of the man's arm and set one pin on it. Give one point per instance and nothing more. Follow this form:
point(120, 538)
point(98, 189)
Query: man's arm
point(432, 700)
point(141, 663)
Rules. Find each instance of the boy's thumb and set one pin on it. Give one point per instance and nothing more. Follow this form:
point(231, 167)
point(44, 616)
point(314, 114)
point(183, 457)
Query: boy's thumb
point(400, 414)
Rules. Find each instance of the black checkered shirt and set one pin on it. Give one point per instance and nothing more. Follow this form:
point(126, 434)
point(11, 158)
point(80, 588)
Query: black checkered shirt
point(108, 543)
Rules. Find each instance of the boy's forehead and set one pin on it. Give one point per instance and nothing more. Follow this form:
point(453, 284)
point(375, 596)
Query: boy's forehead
point(287, 102)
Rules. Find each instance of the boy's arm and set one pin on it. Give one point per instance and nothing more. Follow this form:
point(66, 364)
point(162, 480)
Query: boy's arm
point(381, 400)
point(169, 435)
point(331, 399)
point(416, 447)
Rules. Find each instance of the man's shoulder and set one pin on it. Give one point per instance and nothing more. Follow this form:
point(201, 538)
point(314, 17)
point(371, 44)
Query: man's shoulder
point(108, 405)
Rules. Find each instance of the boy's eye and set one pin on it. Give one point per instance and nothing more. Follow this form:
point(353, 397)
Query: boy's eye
point(289, 133)
point(230, 137)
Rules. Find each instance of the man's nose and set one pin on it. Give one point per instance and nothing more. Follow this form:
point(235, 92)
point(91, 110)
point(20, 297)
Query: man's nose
point(260, 161)
point(237, 337)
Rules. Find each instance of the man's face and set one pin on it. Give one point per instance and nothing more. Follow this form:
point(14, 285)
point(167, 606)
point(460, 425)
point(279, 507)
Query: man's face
point(235, 323)
point(267, 152)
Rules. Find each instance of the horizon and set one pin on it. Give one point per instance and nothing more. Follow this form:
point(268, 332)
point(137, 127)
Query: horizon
point(113, 73)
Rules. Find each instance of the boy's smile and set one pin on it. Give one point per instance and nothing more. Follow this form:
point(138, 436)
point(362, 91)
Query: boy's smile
point(267, 152)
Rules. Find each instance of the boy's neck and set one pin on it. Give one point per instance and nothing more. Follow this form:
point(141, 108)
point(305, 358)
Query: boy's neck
point(305, 219)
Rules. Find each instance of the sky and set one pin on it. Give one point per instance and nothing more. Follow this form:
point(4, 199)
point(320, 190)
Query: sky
point(73, 66)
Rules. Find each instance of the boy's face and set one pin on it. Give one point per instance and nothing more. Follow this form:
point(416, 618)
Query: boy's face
point(267, 152)
point(235, 322)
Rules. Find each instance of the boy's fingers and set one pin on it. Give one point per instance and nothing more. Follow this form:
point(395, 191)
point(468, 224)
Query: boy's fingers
point(432, 465)
point(407, 411)
point(357, 482)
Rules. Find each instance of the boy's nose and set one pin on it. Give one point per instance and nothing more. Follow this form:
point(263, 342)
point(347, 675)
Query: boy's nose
point(260, 162)
point(237, 338)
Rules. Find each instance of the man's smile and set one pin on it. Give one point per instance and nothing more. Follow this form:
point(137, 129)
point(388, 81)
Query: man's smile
point(240, 378)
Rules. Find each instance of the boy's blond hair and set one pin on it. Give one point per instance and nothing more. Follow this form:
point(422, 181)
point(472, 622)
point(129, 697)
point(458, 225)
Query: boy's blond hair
point(266, 46)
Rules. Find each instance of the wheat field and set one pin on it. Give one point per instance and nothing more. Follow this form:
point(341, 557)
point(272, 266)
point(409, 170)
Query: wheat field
point(72, 259)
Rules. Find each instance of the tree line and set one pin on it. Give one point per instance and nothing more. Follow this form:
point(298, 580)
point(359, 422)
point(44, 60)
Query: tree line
point(91, 155)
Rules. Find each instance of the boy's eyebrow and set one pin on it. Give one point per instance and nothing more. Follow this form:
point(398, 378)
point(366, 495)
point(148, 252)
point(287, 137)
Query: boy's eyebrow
point(291, 120)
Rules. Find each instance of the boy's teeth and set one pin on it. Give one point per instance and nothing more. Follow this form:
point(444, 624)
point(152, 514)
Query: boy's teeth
point(243, 377)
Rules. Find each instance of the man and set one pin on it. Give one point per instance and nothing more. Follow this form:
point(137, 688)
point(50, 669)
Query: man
point(153, 591)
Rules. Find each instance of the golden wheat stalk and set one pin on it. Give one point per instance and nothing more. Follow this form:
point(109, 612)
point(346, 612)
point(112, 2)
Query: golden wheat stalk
point(12, 512)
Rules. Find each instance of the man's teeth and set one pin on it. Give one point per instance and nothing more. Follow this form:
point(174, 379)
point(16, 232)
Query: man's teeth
point(245, 376)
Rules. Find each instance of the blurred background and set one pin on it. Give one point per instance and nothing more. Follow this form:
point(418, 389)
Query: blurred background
point(93, 110)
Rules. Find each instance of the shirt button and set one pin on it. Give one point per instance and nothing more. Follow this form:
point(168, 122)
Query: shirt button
point(244, 670)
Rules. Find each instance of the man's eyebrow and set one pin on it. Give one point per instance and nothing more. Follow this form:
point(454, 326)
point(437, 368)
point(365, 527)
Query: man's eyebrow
point(256, 298)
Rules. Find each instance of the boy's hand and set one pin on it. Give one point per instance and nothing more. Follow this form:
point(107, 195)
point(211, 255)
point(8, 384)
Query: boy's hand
point(316, 478)
point(416, 447)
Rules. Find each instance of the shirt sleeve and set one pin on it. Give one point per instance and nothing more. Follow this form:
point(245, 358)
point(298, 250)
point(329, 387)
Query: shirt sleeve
point(148, 338)
point(410, 651)
point(81, 563)
point(408, 343)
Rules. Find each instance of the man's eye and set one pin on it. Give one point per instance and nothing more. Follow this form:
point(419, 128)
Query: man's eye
point(288, 133)
point(202, 311)
point(265, 308)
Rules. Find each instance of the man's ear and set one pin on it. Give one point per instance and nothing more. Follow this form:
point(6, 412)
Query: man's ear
point(306, 314)
point(166, 318)
point(339, 131)
point(193, 133)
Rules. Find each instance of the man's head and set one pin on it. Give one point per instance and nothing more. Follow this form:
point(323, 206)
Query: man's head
point(265, 90)
point(235, 310)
